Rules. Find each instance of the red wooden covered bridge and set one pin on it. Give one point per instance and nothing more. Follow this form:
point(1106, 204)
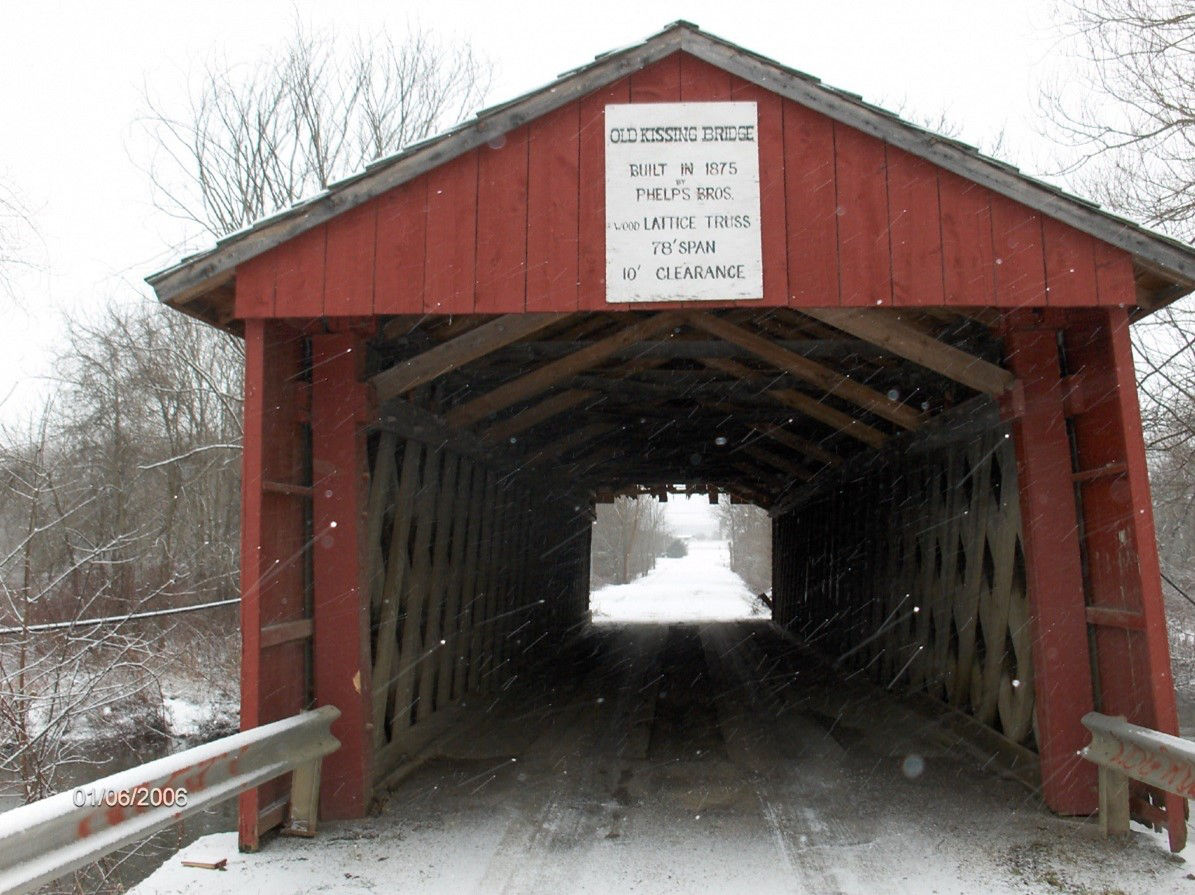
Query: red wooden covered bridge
point(685, 267)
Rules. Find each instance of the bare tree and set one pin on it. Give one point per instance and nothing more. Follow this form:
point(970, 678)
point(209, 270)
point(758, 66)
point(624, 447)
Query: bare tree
point(629, 535)
point(258, 139)
point(15, 229)
point(1130, 117)
point(1131, 112)
point(748, 532)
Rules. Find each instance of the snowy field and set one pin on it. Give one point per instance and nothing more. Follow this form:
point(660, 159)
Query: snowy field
point(698, 588)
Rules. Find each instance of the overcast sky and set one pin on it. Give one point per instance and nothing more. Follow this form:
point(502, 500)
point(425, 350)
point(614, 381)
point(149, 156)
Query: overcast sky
point(74, 76)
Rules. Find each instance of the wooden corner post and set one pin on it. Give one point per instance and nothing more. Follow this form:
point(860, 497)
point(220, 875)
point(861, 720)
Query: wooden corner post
point(340, 407)
point(1053, 564)
point(275, 499)
point(1126, 610)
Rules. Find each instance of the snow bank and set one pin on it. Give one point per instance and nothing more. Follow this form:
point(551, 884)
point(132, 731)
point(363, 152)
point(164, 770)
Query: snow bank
point(698, 588)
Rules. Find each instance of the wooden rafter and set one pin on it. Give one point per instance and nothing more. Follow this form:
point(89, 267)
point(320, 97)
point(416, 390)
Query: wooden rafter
point(810, 407)
point(784, 464)
point(886, 330)
point(549, 374)
point(458, 351)
point(802, 367)
point(537, 413)
point(567, 442)
point(759, 473)
point(797, 443)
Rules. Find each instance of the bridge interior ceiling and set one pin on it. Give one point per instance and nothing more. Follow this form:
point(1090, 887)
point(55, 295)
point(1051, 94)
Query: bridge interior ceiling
point(751, 402)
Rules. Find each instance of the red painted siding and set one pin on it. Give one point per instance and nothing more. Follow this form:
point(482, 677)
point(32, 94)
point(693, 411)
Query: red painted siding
point(519, 224)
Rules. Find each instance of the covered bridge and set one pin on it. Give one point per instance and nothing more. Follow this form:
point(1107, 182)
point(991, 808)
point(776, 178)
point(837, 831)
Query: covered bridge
point(684, 267)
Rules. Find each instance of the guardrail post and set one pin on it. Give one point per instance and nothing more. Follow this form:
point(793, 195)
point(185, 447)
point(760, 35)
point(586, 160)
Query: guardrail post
point(304, 799)
point(1114, 802)
point(1124, 751)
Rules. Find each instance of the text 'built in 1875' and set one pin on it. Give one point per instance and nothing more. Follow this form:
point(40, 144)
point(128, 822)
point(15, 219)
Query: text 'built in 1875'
point(682, 202)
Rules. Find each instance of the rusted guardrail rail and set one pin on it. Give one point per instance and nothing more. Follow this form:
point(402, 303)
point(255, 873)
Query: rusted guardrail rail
point(48, 839)
point(1125, 751)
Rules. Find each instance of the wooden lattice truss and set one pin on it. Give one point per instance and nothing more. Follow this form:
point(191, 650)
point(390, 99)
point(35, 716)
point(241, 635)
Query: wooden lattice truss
point(479, 414)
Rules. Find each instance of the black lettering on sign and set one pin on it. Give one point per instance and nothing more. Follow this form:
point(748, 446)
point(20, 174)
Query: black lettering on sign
point(701, 272)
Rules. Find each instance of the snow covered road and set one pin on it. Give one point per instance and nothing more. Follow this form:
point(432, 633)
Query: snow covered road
point(694, 758)
point(698, 587)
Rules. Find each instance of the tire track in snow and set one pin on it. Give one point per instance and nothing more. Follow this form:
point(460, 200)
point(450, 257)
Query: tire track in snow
point(539, 853)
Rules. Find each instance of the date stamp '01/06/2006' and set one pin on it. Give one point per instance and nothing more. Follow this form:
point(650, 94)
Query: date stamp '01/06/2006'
point(137, 797)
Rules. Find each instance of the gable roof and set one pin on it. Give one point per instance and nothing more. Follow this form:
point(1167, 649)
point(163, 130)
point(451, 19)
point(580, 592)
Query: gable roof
point(200, 284)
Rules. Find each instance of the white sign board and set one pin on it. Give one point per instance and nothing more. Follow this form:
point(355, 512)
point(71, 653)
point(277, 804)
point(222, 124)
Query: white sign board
point(682, 202)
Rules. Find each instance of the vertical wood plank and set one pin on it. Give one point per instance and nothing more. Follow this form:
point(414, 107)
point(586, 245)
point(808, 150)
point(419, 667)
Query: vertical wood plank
point(502, 223)
point(400, 259)
point(464, 516)
point(451, 258)
point(773, 238)
point(410, 653)
point(1020, 257)
point(341, 643)
point(1115, 325)
point(811, 203)
point(864, 255)
point(274, 680)
point(397, 569)
point(350, 264)
point(591, 211)
point(702, 82)
point(915, 222)
point(1114, 276)
point(437, 589)
point(1061, 660)
point(1070, 265)
point(552, 200)
point(495, 596)
point(658, 82)
point(253, 560)
point(968, 257)
point(479, 594)
point(299, 275)
point(255, 287)
point(382, 483)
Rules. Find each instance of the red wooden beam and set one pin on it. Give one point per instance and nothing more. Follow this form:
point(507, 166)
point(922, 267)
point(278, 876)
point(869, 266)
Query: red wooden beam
point(341, 654)
point(274, 672)
point(1061, 659)
point(1133, 657)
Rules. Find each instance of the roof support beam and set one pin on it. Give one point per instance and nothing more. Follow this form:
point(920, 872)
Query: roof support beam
point(566, 443)
point(536, 414)
point(823, 377)
point(797, 443)
point(886, 330)
point(457, 352)
point(545, 377)
point(808, 406)
point(782, 463)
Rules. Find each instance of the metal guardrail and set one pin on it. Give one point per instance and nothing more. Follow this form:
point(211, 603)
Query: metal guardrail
point(1123, 751)
point(48, 839)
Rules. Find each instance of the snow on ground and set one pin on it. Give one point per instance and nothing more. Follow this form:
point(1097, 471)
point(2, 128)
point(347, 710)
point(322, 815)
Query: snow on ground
point(699, 587)
point(694, 758)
